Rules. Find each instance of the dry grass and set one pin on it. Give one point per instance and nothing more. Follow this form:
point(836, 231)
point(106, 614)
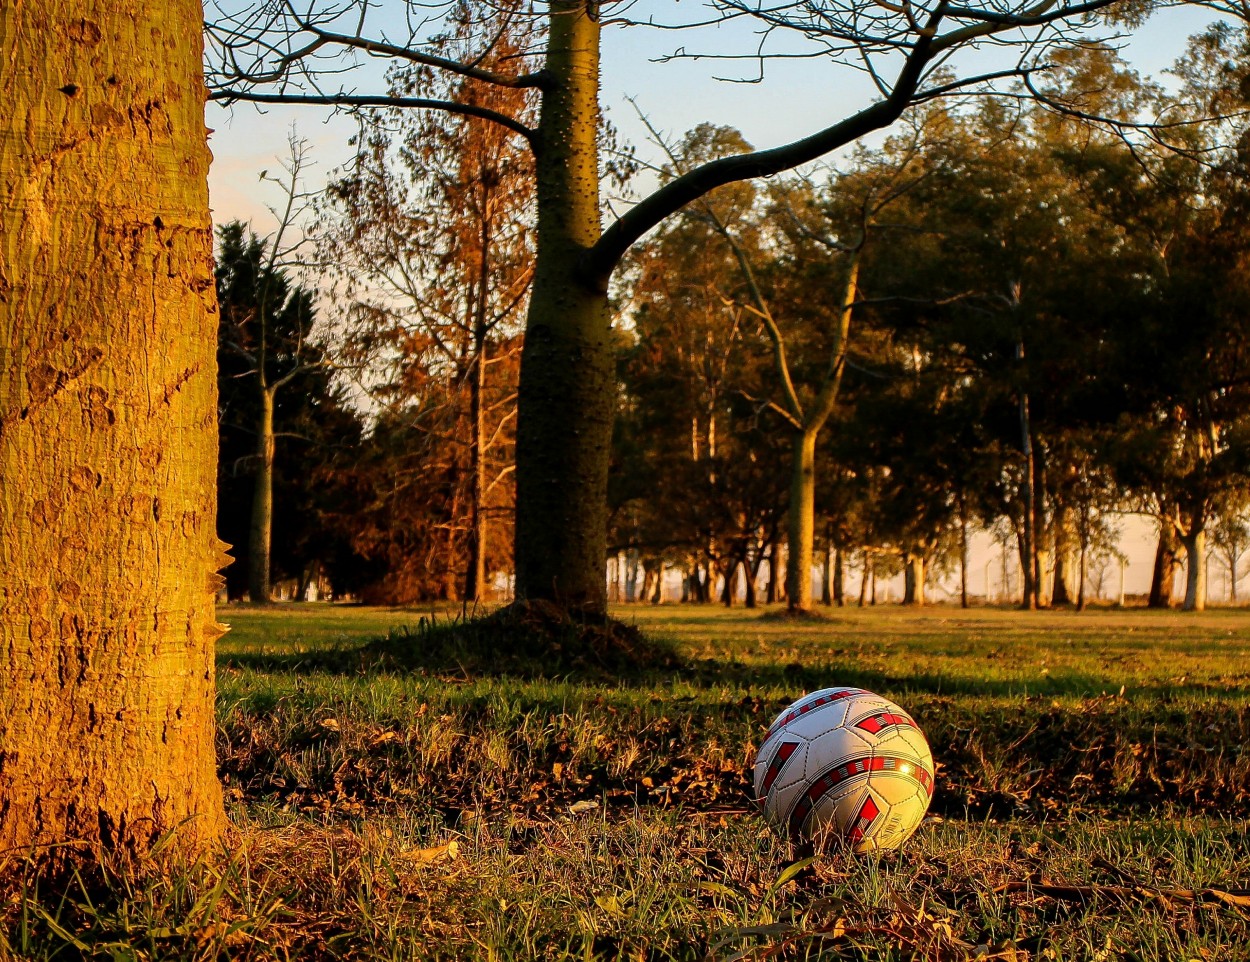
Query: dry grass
point(451, 812)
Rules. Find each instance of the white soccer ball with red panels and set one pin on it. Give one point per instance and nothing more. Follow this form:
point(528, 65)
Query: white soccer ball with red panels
point(845, 764)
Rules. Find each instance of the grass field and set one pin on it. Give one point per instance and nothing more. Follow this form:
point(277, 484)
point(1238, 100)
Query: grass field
point(399, 798)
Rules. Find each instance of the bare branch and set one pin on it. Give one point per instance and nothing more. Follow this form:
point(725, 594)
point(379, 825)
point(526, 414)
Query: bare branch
point(366, 100)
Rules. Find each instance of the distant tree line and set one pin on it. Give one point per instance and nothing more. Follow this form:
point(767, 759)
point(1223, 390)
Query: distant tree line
point(1007, 317)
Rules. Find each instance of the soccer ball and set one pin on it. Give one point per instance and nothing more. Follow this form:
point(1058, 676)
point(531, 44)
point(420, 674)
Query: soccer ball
point(843, 764)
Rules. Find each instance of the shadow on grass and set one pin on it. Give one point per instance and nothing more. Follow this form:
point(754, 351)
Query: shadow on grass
point(540, 642)
point(533, 640)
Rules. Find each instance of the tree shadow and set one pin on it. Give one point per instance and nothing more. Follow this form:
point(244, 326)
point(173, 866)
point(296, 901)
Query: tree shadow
point(471, 650)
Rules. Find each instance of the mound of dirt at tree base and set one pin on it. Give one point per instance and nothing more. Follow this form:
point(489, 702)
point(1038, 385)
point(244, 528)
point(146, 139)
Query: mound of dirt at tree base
point(527, 638)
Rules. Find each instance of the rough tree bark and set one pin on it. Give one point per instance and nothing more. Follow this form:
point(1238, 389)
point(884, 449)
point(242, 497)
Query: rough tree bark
point(107, 434)
point(1163, 576)
point(1195, 543)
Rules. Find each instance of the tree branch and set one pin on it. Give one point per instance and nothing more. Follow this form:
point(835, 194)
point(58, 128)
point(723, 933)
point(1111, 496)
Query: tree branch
point(369, 100)
point(602, 259)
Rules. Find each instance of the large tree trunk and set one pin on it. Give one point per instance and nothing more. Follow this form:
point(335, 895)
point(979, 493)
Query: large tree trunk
point(107, 434)
point(1062, 592)
point(1083, 571)
point(568, 388)
point(1163, 576)
point(801, 521)
point(963, 556)
point(260, 534)
point(913, 578)
point(1195, 569)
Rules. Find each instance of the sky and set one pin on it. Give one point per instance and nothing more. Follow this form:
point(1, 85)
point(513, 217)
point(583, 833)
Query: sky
point(796, 98)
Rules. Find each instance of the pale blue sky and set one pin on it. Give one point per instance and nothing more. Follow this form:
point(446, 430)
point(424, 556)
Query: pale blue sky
point(796, 98)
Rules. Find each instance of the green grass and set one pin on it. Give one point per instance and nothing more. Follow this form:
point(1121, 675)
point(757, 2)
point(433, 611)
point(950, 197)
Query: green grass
point(606, 816)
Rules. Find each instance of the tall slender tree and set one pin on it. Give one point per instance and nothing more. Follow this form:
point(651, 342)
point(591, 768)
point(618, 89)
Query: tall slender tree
point(430, 227)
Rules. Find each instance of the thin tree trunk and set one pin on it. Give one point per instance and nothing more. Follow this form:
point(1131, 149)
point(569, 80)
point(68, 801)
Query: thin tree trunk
point(963, 555)
point(1028, 546)
point(1080, 590)
point(839, 586)
point(567, 391)
point(801, 521)
point(631, 575)
point(108, 442)
point(307, 576)
point(863, 579)
point(1195, 569)
point(826, 576)
point(475, 573)
point(1041, 554)
point(749, 574)
point(260, 535)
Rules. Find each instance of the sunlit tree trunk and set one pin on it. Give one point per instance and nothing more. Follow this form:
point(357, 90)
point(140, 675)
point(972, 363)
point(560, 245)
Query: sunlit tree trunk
point(107, 434)
point(568, 387)
point(913, 578)
point(1061, 590)
point(771, 592)
point(260, 534)
point(801, 520)
point(1195, 569)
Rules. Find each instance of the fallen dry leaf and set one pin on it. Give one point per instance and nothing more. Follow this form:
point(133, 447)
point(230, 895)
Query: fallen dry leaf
point(428, 856)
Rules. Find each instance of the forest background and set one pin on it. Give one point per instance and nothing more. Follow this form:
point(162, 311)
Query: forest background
point(392, 452)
